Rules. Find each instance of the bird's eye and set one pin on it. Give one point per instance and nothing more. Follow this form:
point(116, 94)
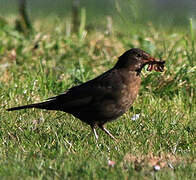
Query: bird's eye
point(139, 55)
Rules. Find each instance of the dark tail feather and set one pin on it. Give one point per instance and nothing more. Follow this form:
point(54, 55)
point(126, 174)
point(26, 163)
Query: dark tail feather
point(49, 105)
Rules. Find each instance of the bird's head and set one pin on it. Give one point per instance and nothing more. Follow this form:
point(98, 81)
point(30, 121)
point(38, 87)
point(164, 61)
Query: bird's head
point(135, 59)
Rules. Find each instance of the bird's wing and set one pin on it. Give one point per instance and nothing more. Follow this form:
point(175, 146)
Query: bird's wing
point(84, 94)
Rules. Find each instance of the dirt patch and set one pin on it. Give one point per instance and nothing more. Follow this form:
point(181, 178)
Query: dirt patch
point(154, 161)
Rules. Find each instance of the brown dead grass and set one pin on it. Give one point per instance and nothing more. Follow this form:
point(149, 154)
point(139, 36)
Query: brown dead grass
point(5, 76)
point(163, 160)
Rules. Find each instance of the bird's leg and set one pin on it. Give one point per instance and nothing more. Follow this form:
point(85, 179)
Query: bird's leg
point(94, 132)
point(107, 132)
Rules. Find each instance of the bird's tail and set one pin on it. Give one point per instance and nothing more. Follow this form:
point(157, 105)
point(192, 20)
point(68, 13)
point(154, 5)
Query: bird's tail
point(49, 105)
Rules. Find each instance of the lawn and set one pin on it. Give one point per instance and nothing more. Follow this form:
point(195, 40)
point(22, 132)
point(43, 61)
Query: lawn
point(39, 144)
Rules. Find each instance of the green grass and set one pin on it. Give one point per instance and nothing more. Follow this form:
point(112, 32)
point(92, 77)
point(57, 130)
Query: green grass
point(38, 144)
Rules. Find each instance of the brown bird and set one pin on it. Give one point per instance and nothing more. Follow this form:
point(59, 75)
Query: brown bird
point(106, 97)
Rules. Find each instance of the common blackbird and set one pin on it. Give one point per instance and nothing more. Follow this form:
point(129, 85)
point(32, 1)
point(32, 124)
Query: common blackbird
point(106, 97)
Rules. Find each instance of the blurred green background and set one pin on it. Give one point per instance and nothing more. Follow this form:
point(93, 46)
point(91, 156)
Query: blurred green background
point(175, 12)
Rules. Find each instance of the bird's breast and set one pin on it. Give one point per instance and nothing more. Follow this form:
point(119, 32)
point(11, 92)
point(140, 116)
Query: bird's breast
point(129, 90)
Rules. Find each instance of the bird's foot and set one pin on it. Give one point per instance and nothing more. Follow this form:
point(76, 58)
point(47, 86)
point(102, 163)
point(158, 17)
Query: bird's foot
point(94, 132)
point(107, 132)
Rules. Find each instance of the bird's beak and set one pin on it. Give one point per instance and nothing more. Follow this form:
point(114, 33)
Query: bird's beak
point(150, 60)
point(154, 64)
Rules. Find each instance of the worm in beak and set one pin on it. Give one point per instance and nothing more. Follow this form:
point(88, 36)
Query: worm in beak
point(154, 64)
